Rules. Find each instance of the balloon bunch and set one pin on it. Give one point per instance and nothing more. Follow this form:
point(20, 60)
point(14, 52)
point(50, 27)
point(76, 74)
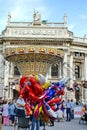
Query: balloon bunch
point(41, 97)
point(76, 87)
point(77, 91)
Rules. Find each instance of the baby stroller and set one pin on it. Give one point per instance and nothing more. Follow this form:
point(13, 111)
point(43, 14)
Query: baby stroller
point(83, 118)
point(24, 123)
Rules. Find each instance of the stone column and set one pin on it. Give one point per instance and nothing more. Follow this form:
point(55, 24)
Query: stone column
point(6, 78)
point(49, 73)
point(65, 64)
point(83, 78)
point(72, 94)
point(71, 70)
point(11, 90)
point(1, 74)
point(11, 69)
point(85, 75)
point(64, 71)
point(60, 70)
point(85, 68)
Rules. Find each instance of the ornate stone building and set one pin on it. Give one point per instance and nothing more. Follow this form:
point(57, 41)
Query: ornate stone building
point(42, 47)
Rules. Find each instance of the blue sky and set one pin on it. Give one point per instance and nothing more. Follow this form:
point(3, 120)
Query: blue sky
point(50, 10)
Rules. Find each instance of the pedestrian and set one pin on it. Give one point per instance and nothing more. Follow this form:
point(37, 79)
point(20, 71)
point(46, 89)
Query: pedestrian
point(1, 115)
point(20, 103)
point(5, 113)
point(83, 109)
point(20, 109)
point(12, 112)
point(0, 121)
point(63, 107)
point(35, 121)
point(68, 110)
point(72, 109)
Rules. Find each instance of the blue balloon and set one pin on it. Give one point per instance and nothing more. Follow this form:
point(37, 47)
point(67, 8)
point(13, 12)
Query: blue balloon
point(49, 94)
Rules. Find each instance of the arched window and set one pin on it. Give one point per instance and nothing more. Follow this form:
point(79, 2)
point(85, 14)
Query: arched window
point(16, 71)
point(77, 71)
point(54, 70)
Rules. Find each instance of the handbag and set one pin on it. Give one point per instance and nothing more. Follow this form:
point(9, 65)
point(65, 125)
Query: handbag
point(20, 113)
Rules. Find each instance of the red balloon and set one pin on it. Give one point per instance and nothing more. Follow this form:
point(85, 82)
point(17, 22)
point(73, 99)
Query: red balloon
point(54, 100)
point(61, 92)
point(22, 80)
point(38, 89)
point(32, 80)
point(53, 107)
point(33, 97)
point(27, 109)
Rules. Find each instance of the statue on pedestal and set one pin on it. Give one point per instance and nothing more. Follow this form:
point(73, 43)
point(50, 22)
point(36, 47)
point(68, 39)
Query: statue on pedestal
point(9, 17)
point(37, 17)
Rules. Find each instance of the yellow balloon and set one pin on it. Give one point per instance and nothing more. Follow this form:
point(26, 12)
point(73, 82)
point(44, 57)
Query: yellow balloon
point(40, 109)
point(46, 85)
point(36, 77)
point(35, 107)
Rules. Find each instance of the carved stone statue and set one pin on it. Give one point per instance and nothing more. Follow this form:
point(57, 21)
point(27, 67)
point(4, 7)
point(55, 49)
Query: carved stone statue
point(9, 17)
point(65, 19)
point(37, 17)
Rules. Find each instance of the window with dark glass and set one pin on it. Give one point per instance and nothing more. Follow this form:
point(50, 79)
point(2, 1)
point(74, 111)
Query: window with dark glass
point(16, 71)
point(54, 70)
point(77, 71)
point(77, 54)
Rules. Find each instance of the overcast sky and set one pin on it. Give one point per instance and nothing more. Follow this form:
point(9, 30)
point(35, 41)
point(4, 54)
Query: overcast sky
point(50, 10)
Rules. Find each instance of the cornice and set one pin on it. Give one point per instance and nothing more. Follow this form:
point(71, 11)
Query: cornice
point(80, 41)
point(37, 39)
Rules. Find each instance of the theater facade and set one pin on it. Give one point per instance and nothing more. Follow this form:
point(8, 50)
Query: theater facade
point(42, 47)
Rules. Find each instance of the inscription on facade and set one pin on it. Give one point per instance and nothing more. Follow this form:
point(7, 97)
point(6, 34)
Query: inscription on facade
point(37, 32)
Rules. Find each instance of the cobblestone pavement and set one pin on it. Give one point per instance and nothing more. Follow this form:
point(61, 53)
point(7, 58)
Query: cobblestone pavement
point(73, 125)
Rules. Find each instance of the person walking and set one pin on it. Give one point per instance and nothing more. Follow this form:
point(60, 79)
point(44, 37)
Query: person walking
point(68, 110)
point(0, 121)
point(35, 121)
point(5, 113)
point(12, 112)
point(63, 108)
point(72, 109)
point(1, 115)
point(20, 109)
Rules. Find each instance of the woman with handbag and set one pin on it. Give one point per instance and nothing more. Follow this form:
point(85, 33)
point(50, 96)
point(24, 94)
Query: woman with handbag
point(20, 109)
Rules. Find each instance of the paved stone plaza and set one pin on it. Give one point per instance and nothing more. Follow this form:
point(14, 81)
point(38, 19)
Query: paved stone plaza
point(73, 125)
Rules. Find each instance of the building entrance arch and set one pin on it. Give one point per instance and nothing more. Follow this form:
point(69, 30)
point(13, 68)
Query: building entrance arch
point(33, 60)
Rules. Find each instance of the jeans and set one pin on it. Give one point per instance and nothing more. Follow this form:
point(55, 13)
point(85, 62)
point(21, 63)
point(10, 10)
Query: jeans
point(12, 118)
point(37, 122)
point(68, 113)
point(72, 114)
